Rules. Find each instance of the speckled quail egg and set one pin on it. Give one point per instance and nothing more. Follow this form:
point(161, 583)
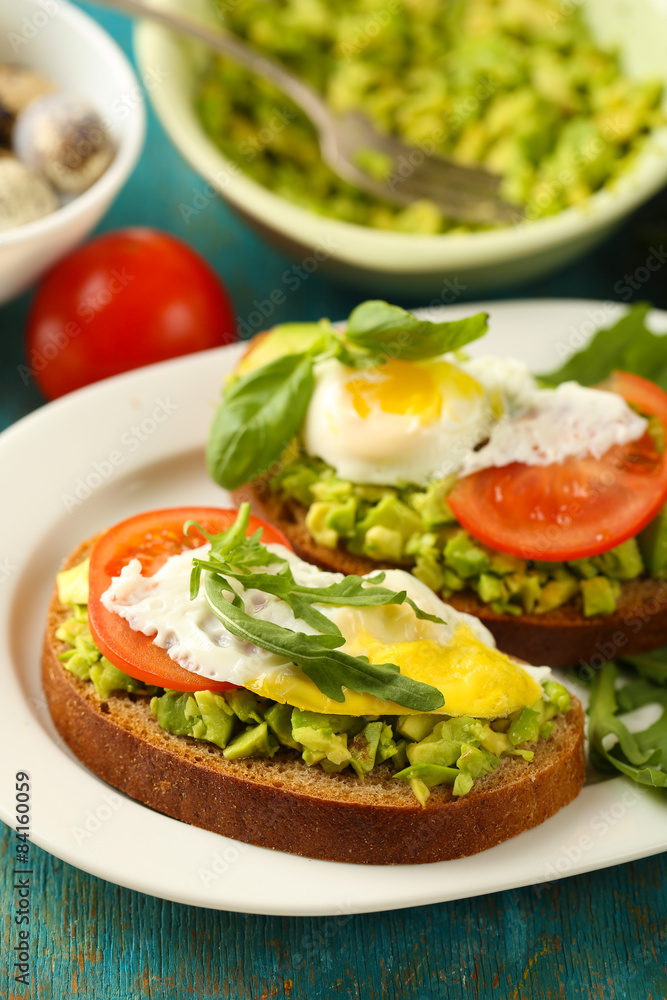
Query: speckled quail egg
point(24, 195)
point(19, 86)
point(63, 138)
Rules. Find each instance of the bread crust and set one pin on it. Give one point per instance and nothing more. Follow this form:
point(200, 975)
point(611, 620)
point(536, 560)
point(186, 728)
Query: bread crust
point(283, 804)
point(561, 637)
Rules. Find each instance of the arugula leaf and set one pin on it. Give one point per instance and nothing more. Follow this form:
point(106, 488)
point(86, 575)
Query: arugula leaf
point(389, 330)
point(259, 415)
point(318, 656)
point(232, 555)
point(651, 665)
point(628, 345)
point(637, 755)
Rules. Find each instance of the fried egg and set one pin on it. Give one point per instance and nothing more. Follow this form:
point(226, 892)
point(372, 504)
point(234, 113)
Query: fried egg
point(457, 657)
point(403, 421)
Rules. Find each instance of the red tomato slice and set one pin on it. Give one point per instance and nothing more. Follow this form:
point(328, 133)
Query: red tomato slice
point(573, 509)
point(152, 538)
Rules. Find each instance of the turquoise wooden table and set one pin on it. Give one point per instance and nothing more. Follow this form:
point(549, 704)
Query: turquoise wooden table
point(601, 936)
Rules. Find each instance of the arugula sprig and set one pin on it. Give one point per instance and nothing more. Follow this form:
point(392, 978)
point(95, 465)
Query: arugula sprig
point(627, 345)
point(262, 412)
point(233, 558)
point(638, 755)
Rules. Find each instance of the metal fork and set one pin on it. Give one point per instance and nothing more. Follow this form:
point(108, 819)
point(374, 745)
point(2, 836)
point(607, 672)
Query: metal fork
point(469, 194)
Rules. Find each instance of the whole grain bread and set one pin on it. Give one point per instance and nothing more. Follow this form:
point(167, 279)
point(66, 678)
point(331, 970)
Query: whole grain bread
point(560, 638)
point(283, 804)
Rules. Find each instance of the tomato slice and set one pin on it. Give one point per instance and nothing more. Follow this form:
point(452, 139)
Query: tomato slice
point(576, 508)
point(152, 538)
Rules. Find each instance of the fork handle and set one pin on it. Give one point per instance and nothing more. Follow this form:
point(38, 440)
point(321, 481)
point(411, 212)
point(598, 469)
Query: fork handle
point(300, 92)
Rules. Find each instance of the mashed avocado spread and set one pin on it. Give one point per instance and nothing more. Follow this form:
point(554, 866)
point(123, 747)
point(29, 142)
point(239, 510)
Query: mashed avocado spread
point(519, 86)
point(414, 527)
point(422, 750)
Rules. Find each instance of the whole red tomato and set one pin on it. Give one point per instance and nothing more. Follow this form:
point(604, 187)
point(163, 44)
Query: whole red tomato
point(126, 299)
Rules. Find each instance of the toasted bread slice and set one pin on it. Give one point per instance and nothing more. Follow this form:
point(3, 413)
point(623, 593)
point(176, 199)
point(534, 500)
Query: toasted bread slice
point(559, 638)
point(282, 803)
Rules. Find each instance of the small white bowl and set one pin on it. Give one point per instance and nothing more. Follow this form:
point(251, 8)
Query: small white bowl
point(445, 265)
point(70, 49)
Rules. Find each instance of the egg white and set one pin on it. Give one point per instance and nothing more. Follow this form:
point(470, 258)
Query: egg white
point(458, 656)
point(450, 417)
point(404, 443)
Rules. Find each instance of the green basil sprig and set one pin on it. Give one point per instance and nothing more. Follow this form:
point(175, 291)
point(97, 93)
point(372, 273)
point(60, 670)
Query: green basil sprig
point(258, 417)
point(390, 330)
point(233, 555)
point(262, 412)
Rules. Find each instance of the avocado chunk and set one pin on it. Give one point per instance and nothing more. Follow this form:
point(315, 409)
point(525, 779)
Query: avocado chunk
point(621, 563)
point(279, 719)
point(600, 596)
point(464, 557)
point(653, 544)
point(443, 745)
point(73, 584)
point(244, 704)
point(432, 505)
point(317, 735)
point(416, 727)
point(217, 718)
point(555, 593)
point(364, 747)
point(107, 678)
point(255, 741)
point(386, 528)
point(423, 777)
point(525, 728)
point(316, 522)
point(288, 338)
point(170, 711)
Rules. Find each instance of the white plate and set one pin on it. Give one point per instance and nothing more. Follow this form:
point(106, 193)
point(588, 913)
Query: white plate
point(133, 443)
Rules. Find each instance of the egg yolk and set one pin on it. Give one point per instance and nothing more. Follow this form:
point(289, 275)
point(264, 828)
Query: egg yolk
point(412, 389)
point(474, 679)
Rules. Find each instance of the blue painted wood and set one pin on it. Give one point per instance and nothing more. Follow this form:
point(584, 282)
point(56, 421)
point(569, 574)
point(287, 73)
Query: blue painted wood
point(601, 936)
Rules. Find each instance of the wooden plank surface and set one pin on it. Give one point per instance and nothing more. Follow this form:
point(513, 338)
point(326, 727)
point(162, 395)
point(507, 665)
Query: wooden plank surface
point(601, 936)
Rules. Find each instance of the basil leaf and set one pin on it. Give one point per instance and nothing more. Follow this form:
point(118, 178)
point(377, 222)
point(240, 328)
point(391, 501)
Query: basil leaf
point(317, 655)
point(380, 327)
point(258, 417)
point(628, 345)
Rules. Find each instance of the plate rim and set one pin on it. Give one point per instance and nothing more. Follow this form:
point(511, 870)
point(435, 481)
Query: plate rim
point(127, 387)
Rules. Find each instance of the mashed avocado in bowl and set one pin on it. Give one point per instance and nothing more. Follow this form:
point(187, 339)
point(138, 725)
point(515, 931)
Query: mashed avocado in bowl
point(518, 86)
point(566, 100)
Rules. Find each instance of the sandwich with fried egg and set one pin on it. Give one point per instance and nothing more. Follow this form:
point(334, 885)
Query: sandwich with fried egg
point(536, 505)
point(193, 661)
